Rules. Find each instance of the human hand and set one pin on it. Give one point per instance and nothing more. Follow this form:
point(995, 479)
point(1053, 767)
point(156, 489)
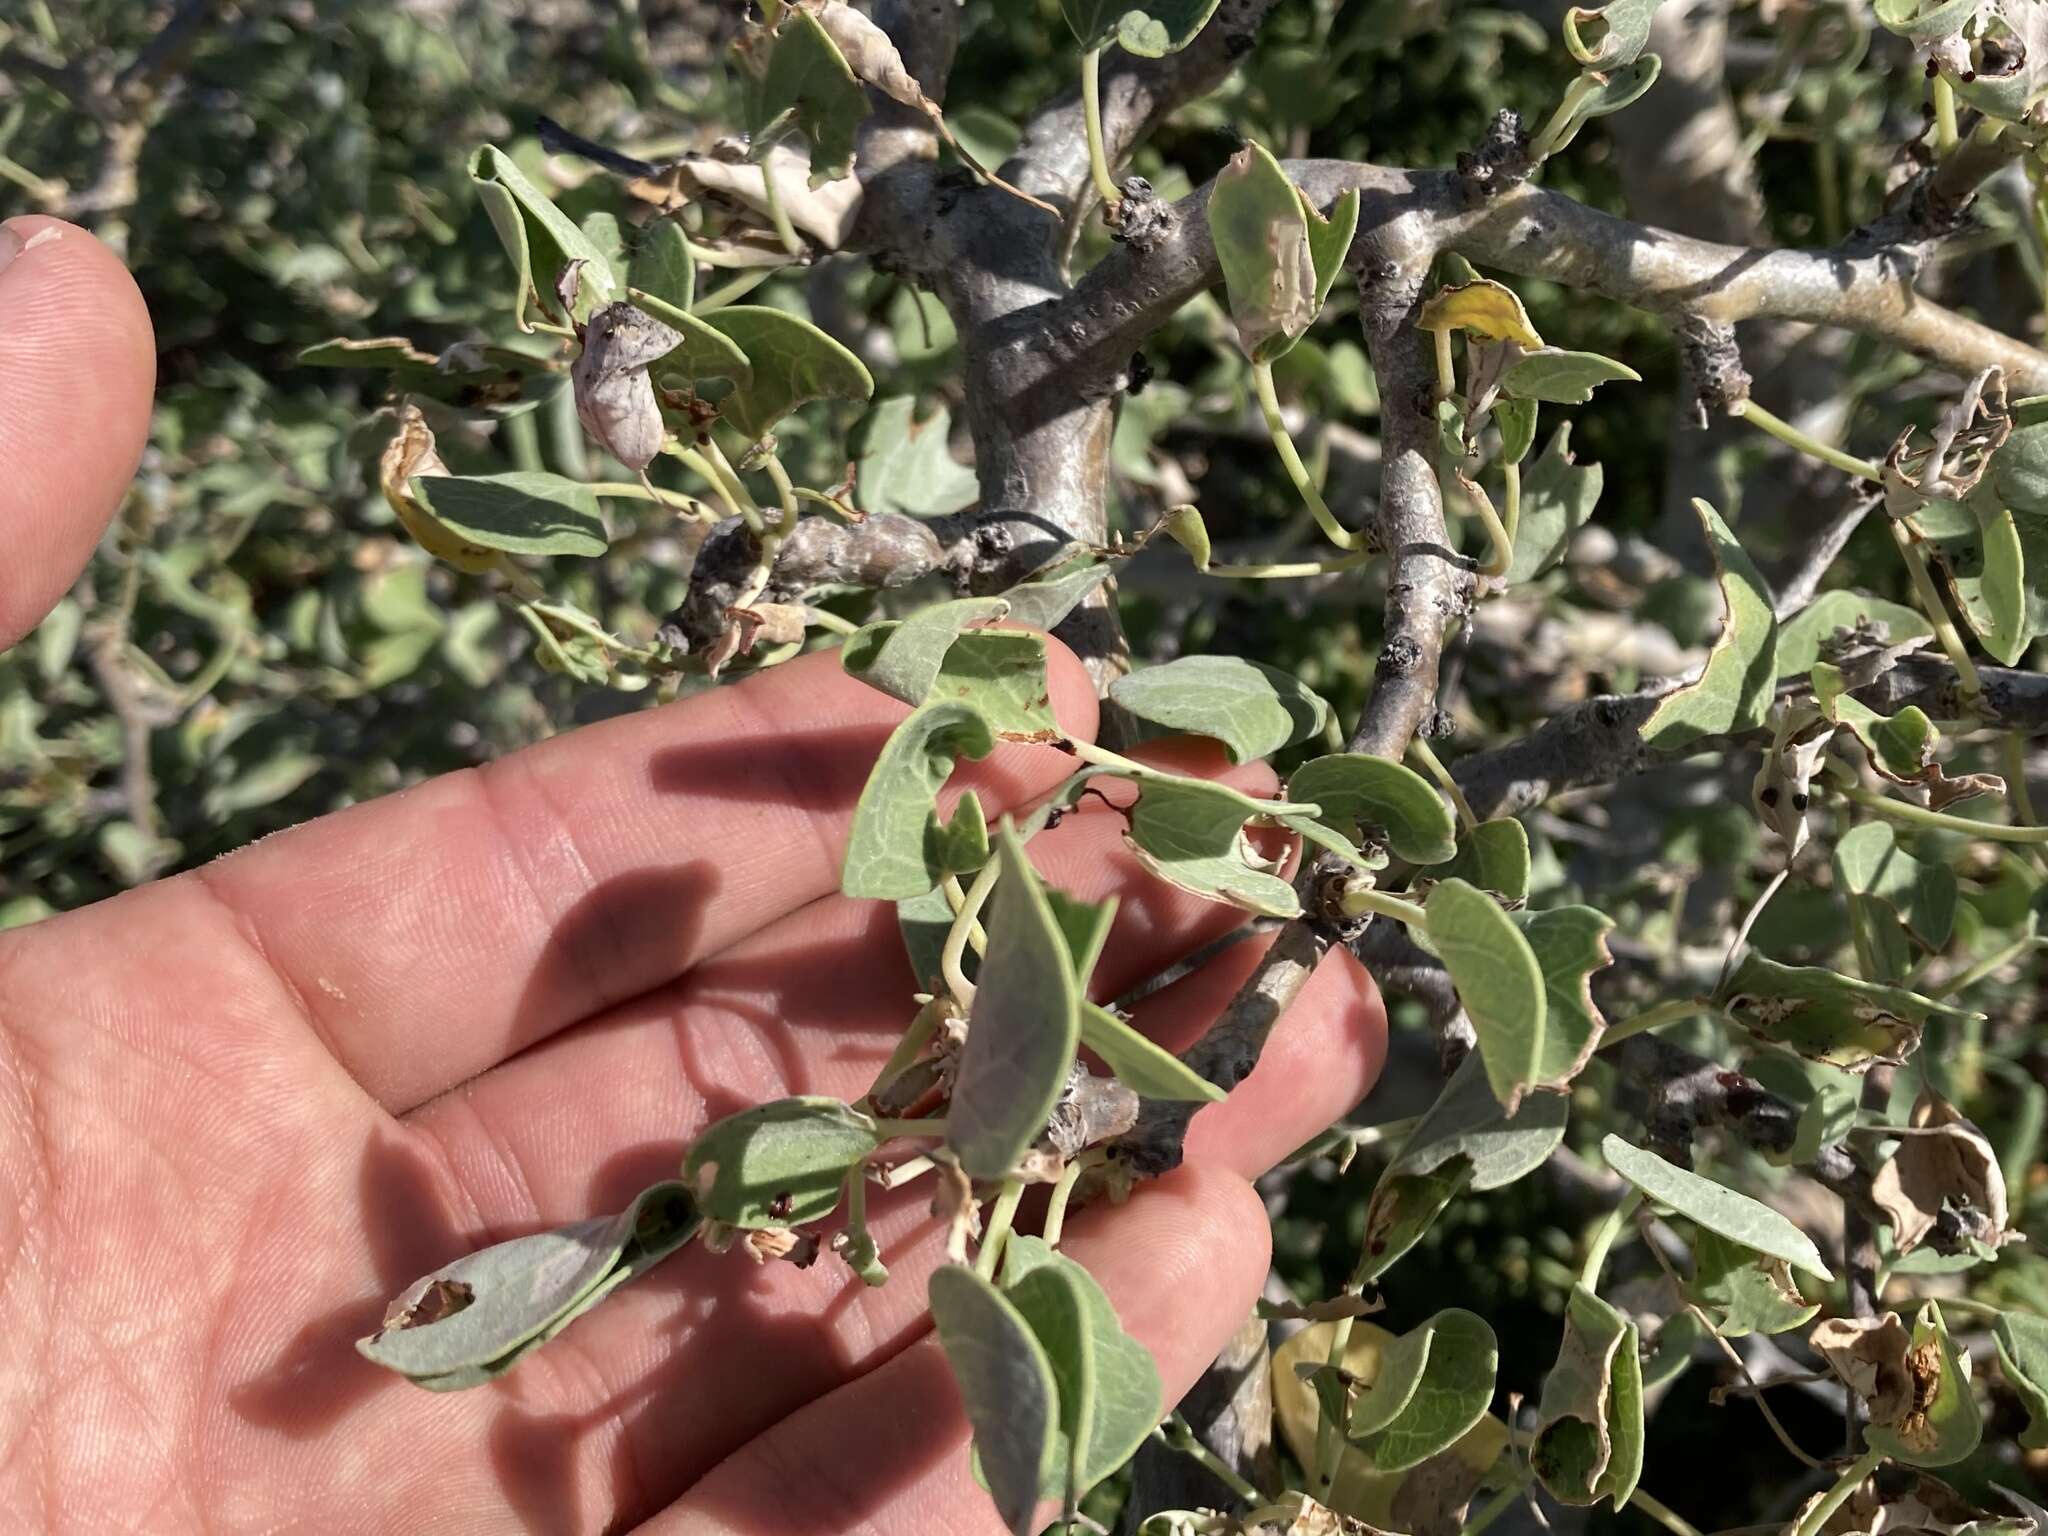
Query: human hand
point(243, 1107)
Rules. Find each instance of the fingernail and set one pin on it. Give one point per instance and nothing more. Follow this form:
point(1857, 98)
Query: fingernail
point(10, 246)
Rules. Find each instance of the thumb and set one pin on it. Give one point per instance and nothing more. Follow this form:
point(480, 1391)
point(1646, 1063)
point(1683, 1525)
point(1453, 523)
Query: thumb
point(77, 365)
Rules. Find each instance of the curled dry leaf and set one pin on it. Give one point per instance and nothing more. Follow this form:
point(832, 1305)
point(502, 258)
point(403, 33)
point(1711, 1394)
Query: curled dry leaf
point(1783, 786)
point(869, 53)
point(823, 214)
point(412, 452)
point(1926, 1504)
point(1483, 308)
point(953, 1203)
point(1874, 1357)
point(1950, 1167)
point(1323, 1311)
point(614, 397)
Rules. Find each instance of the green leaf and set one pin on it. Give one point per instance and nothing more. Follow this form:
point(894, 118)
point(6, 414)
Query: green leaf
point(1564, 378)
point(1517, 422)
point(1191, 832)
point(1800, 637)
point(925, 921)
point(1253, 709)
point(1403, 1207)
point(1558, 496)
point(890, 850)
point(780, 1164)
point(1007, 1385)
point(1151, 30)
point(1735, 691)
point(1869, 862)
point(1498, 981)
point(664, 265)
point(1022, 1029)
point(539, 238)
point(1615, 89)
point(1042, 603)
point(808, 77)
point(1002, 674)
point(1085, 926)
point(1609, 36)
point(1570, 944)
point(793, 362)
point(1144, 1066)
point(904, 465)
point(1833, 1019)
point(903, 657)
point(1589, 1436)
point(2019, 470)
point(1433, 1385)
point(1495, 857)
point(1109, 1390)
point(1715, 1206)
point(472, 1320)
point(1752, 1294)
point(1381, 801)
point(1995, 564)
point(1468, 1123)
point(525, 512)
point(1261, 233)
point(1927, 21)
point(1329, 239)
point(1945, 1426)
point(2022, 1342)
point(1184, 525)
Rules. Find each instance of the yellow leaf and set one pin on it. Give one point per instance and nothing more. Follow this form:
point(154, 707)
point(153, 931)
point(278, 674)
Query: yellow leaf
point(1483, 307)
point(411, 453)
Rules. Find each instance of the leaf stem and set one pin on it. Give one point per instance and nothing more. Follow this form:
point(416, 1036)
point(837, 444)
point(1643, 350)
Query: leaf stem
point(1604, 1236)
point(1091, 115)
point(1283, 444)
point(1421, 752)
point(1672, 1521)
point(1936, 613)
point(733, 290)
point(1654, 1018)
point(1358, 901)
point(1281, 570)
point(1851, 1479)
point(1947, 134)
point(1178, 1434)
point(961, 933)
point(1503, 542)
point(1941, 821)
point(1812, 447)
point(1063, 1191)
point(1446, 366)
point(1511, 512)
point(779, 216)
point(675, 500)
point(1558, 132)
point(1000, 1216)
point(921, 1029)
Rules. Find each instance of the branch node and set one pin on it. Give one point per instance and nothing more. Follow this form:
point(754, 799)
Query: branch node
point(1713, 376)
point(1500, 163)
point(1143, 220)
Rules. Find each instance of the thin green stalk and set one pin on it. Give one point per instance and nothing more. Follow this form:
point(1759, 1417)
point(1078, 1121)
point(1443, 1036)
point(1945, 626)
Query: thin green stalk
point(1556, 133)
point(1511, 513)
point(1941, 821)
point(1446, 365)
point(998, 1230)
point(1287, 569)
point(779, 216)
point(1063, 1192)
point(785, 489)
point(1936, 613)
point(676, 501)
point(1420, 751)
point(1497, 535)
point(1495, 1507)
point(1654, 1018)
point(1269, 404)
point(820, 618)
point(961, 933)
point(737, 503)
point(1359, 901)
point(1673, 1522)
point(732, 291)
point(1180, 1435)
point(1603, 1239)
point(1947, 133)
point(1812, 447)
point(922, 1028)
point(1851, 1479)
point(1091, 116)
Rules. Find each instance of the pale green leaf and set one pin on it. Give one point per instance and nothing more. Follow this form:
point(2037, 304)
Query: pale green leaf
point(540, 239)
point(1927, 21)
point(1433, 1385)
point(903, 657)
point(1402, 1208)
point(1379, 801)
point(1467, 1122)
point(1589, 1435)
point(808, 77)
point(1714, 1206)
point(1517, 422)
point(1564, 378)
point(1735, 691)
point(1191, 832)
point(1495, 857)
point(1995, 564)
point(1022, 1029)
point(1869, 861)
point(1262, 243)
point(1109, 1390)
point(1609, 36)
point(1830, 1018)
point(1144, 1066)
point(1151, 30)
point(1253, 709)
point(2022, 1341)
point(1800, 638)
point(904, 466)
point(1042, 603)
point(1329, 239)
point(1558, 496)
point(779, 1164)
point(793, 364)
point(1570, 944)
point(1498, 981)
point(890, 850)
point(701, 350)
point(1750, 1293)
point(525, 512)
point(664, 265)
point(1084, 925)
point(1007, 1385)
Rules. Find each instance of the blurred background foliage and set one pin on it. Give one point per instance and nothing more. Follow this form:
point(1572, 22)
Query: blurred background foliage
point(256, 643)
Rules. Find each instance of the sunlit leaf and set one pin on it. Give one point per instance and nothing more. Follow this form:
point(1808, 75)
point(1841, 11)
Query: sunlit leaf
point(1468, 1123)
point(1380, 801)
point(1570, 944)
point(904, 465)
point(1493, 856)
point(1611, 35)
point(1192, 833)
point(1499, 982)
point(1558, 496)
point(1261, 233)
point(1141, 1064)
point(1800, 638)
point(1565, 378)
point(808, 77)
point(1830, 1018)
point(525, 512)
point(1943, 1425)
point(1869, 862)
point(1589, 1436)
point(1734, 693)
point(1716, 1207)
point(1022, 1029)
point(664, 265)
point(1433, 1386)
point(1483, 308)
point(779, 1164)
point(1150, 30)
point(1042, 603)
point(541, 239)
point(889, 849)
point(793, 364)
point(1748, 1292)
point(902, 657)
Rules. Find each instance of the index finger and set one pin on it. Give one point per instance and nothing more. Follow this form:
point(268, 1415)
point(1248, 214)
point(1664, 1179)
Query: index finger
point(429, 935)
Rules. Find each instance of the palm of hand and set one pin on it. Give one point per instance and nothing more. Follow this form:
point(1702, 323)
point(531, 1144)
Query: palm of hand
point(241, 1109)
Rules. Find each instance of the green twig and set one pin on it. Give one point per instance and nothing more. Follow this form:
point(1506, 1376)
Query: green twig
point(1604, 1236)
point(962, 933)
point(1091, 116)
point(1420, 751)
point(998, 1232)
point(1178, 1434)
point(1941, 821)
point(1812, 447)
point(1935, 611)
point(1297, 472)
point(1851, 1479)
